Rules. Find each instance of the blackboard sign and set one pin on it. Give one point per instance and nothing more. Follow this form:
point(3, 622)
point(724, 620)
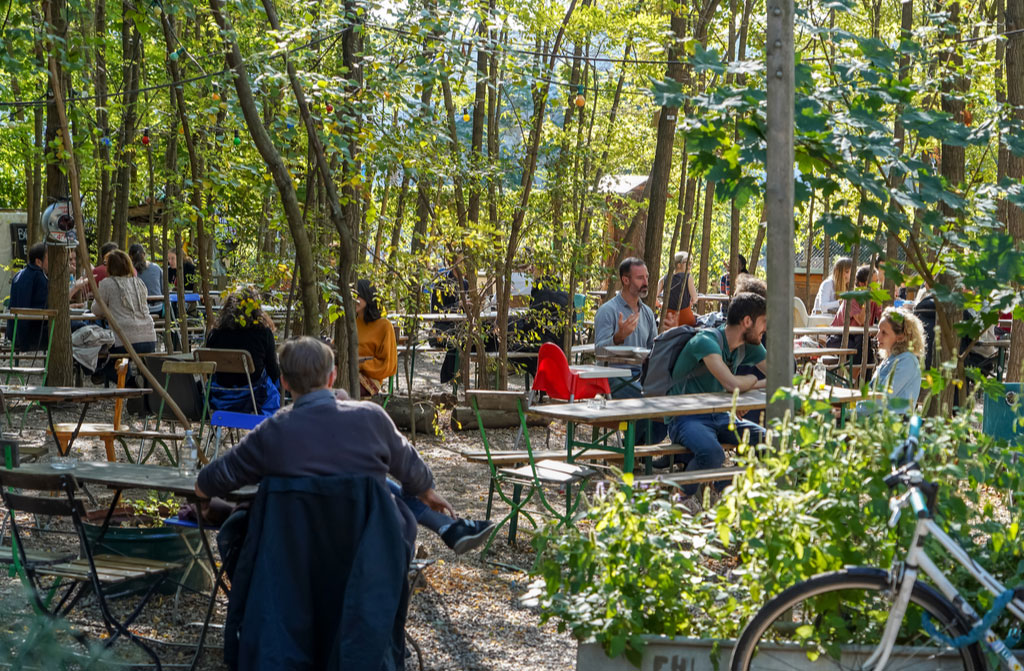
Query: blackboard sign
point(19, 241)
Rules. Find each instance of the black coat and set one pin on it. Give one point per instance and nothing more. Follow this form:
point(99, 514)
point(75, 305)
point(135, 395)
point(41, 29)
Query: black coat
point(321, 582)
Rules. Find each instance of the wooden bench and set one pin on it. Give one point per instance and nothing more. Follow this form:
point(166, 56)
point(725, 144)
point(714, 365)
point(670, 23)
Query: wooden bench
point(684, 478)
point(508, 458)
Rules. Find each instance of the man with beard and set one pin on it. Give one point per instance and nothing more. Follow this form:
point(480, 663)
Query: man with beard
point(627, 320)
point(708, 363)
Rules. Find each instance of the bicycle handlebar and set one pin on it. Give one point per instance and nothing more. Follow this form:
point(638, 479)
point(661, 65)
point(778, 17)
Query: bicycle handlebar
point(923, 494)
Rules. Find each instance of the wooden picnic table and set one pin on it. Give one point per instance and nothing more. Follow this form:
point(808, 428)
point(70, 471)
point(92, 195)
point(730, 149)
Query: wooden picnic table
point(830, 330)
point(589, 372)
point(628, 411)
point(119, 477)
point(811, 352)
point(47, 396)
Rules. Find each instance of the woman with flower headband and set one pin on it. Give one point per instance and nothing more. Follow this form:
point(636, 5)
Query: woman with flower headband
point(244, 325)
point(378, 349)
point(900, 341)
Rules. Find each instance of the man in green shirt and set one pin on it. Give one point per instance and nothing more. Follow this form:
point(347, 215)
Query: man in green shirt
point(708, 363)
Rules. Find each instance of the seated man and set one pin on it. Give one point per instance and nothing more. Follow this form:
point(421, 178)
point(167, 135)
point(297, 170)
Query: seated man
point(544, 322)
point(708, 363)
point(445, 297)
point(627, 320)
point(30, 289)
point(324, 433)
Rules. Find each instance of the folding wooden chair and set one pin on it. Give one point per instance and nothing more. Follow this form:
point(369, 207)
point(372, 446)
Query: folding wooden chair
point(235, 361)
point(204, 370)
point(88, 573)
point(529, 480)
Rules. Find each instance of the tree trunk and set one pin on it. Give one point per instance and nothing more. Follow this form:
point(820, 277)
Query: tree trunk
point(131, 43)
point(103, 195)
point(278, 170)
point(655, 232)
point(540, 98)
point(60, 370)
point(1015, 162)
point(705, 240)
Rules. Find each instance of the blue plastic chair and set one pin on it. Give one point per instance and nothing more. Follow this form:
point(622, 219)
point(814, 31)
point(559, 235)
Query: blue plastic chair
point(225, 419)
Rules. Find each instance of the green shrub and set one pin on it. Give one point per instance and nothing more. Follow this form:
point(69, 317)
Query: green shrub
point(816, 502)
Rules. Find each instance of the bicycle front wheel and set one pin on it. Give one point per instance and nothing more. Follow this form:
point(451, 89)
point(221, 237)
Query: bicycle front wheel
point(834, 621)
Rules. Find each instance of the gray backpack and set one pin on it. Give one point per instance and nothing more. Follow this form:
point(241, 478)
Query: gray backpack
point(656, 377)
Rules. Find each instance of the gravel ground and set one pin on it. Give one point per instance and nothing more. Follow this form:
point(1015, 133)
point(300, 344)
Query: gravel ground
point(466, 615)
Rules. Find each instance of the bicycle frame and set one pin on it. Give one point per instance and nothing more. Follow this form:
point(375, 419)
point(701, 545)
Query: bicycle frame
point(917, 560)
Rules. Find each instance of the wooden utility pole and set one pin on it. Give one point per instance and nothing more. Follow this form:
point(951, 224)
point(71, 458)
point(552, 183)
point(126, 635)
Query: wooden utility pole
point(779, 201)
point(1014, 163)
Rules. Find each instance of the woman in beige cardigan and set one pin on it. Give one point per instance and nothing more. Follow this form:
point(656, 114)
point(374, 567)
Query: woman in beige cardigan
point(125, 297)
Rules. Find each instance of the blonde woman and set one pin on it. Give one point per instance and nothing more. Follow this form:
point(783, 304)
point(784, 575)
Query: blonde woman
point(828, 291)
point(901, 348)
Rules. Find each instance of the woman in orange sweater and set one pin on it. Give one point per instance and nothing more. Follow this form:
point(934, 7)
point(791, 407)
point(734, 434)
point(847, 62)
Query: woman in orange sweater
point(378, 349)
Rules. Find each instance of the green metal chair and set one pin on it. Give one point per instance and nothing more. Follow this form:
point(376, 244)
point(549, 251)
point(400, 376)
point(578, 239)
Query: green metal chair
point(529, 480)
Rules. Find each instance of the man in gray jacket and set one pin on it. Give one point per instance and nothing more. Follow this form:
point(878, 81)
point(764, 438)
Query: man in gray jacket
point(322, 434)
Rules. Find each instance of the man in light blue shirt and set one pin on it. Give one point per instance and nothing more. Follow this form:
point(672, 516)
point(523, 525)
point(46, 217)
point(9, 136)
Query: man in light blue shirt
point(627, 320)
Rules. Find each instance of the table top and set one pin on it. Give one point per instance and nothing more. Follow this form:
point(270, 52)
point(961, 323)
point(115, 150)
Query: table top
point(830, 330)
point(451, 316)
point(808, 352)
point(119, 475)
point(656, 407)
point(189, 297)
point(721, 298)
point(588, 372)
point(83, 316)
point(69, 394)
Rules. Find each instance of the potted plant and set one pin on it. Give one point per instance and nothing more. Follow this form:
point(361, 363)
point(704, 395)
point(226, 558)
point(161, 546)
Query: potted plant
point(137, 530)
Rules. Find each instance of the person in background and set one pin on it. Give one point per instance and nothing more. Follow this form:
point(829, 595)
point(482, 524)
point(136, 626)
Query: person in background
point(325, 433)
point(99, 273)
point(828, 291)
point(445, 297)
point(150, 274)
point(682, 292)
point(78, 287)
point(125, 299)
point(543, 322)
point(244, 325)
point(710, 362)
point(723, 282)
point(900, 341)
point(858, 316)
point(627, 320)
point(378, 348)
point(30, 289)
point(191, 277)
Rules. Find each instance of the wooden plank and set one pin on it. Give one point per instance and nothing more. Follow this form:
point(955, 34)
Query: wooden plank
point(68, 394)
point(689, 477)
point(189, 367)
point(119, 475)
point(521, 456)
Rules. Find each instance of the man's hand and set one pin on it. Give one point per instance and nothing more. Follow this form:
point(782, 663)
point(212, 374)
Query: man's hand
point(626, 326)
point(436, 502)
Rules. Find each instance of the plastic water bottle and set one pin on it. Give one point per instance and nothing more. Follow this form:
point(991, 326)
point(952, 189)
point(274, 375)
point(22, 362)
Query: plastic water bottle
point(189, 457)
point(819, 375)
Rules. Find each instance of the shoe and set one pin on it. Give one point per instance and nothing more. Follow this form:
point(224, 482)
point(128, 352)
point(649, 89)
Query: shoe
point(465, 535)
point(663, 461)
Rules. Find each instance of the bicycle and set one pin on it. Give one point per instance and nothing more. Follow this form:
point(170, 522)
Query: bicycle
point(868, 618)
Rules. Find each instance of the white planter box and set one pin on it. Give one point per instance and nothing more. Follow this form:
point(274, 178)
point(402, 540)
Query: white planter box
point(694, 654)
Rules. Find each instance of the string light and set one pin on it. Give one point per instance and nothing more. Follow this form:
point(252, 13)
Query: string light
point(465, 114)
point(238, 140)
point(581, 100)
point(145, 137)
point(329, 108)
